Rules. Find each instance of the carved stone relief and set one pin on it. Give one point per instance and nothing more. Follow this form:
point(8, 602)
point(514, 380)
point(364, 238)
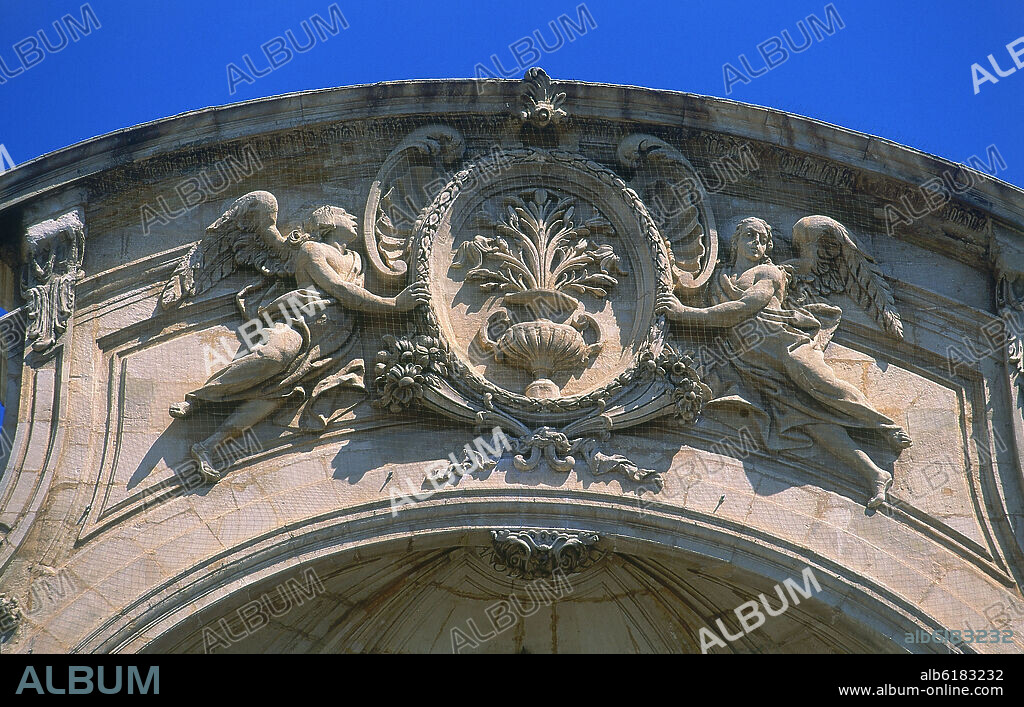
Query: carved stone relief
point(305, 304)
point(540, 290)
point(10, 614)
point(541, 263)
point(546, 257)
point(541, 105)
point(1008, 262)
point(533, 554)
point(53, 264)
point(775, 324)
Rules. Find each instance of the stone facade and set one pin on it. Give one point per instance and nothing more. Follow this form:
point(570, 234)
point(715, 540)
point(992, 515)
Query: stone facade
point(499, 366)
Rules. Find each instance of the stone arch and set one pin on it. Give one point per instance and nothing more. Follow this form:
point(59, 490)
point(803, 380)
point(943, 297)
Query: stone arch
point(669, 552)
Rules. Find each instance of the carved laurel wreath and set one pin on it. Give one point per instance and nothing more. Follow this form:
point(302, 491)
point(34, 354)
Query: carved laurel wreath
point(462, 375)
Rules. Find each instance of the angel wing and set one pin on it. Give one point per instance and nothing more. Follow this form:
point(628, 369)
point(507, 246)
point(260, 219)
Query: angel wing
point(245, 235)
point(830, 260)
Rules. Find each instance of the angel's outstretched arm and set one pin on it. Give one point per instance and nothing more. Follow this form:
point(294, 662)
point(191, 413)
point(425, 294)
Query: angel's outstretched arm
point(724, 314)
point(350, 295)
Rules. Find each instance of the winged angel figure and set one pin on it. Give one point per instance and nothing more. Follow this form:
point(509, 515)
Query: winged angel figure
point(311, 278)
point(776, 328)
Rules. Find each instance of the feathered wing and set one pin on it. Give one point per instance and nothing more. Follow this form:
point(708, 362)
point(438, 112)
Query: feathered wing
point(234, 240)
point(830, 260)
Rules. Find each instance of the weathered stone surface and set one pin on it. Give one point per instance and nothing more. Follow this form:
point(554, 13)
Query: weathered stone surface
point(713, 376)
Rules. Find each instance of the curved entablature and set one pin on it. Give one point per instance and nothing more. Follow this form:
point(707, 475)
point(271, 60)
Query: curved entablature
point(466, 328)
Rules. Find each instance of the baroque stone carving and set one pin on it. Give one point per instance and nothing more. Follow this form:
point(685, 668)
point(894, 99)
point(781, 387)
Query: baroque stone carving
point(549, 256)
point(10, 614)
point(400, 190)
point(1008, 262)
point(533, 554)
point(671, 187)
point(540, 289)
point(53, 264)
point(305, 308)
point(541, 105)
point(534, 288)
point(402, 369)
point(776, 327)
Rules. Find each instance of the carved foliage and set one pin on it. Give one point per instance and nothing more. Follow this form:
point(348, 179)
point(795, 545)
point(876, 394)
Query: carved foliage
point(548, 250)
point(464, 378)
point(405, 183)
point(673, 191)
point(538, 255)
point(541, 105)
point(532, 554)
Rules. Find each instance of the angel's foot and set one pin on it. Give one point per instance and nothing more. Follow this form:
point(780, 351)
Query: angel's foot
point(202, 457)
point(882, 485)
point(181, 410)
point(898, 439)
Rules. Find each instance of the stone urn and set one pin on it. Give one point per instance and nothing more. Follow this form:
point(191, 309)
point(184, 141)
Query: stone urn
point(541, 347)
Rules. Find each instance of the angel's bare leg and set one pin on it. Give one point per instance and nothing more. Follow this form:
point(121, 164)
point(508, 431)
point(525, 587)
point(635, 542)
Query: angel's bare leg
point(807, 368)
point(835, 439)
point(264, 362)
point(243, 418)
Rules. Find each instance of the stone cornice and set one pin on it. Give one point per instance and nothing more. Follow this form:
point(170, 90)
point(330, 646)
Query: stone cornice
point(449, 98)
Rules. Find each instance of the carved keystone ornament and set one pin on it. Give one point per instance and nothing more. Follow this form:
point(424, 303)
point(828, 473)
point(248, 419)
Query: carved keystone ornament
point(533, 554)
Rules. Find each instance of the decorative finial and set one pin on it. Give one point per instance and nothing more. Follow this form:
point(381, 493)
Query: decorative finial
point(541, 107)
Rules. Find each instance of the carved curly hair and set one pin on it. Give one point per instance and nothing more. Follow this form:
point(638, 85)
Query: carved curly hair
point(321, 222)
point(734, 242)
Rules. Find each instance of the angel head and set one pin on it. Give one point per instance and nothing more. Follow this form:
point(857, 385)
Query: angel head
point(752, 241)
point(328, 224)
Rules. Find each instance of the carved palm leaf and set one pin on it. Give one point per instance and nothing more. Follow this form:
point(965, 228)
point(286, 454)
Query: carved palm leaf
point(673, 193)
point(406, 182)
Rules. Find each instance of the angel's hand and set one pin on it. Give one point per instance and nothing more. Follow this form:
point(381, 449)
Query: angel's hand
point(412, 296)
point(669, 305)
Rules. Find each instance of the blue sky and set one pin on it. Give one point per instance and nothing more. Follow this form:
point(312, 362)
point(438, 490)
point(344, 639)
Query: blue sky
point(900, 70)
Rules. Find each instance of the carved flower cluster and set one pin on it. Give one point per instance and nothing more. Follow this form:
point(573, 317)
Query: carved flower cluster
point(688, 392)
point(403, 368)
point(688, 400)
point(10, 613)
